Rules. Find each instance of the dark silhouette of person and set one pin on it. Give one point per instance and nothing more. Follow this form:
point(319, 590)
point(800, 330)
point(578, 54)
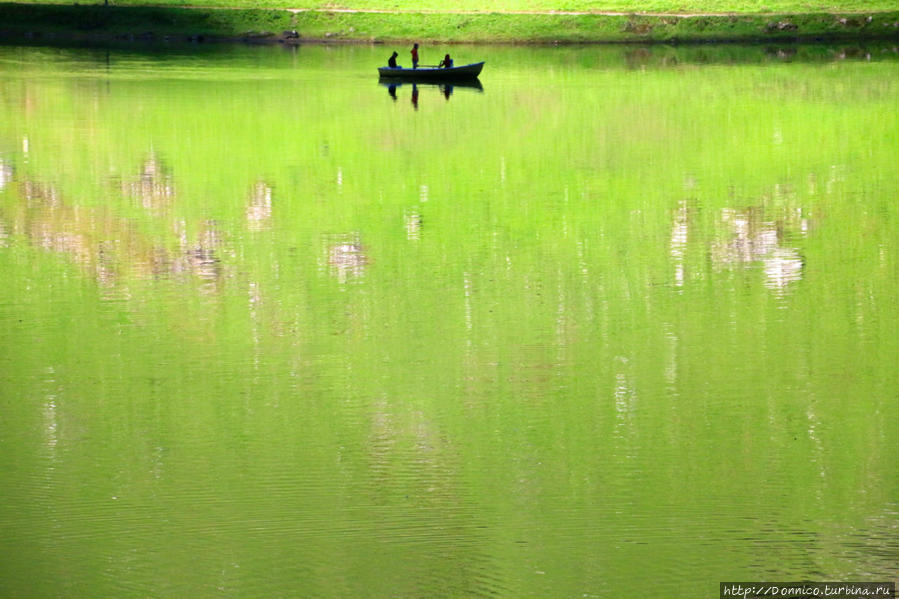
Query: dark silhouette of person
point(415, 96)
point(415, 56)
point(391, 62)
point(447, 62)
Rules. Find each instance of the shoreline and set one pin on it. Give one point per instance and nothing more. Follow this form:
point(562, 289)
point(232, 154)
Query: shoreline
point(97, 23)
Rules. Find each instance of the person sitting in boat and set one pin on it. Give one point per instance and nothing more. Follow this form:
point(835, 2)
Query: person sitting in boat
point(391, 62)
point(446, 63)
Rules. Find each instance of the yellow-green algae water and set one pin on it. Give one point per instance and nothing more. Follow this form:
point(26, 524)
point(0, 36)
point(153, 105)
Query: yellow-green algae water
point(621, 323)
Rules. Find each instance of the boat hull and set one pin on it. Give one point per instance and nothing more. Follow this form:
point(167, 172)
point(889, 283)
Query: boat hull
point(468, 71)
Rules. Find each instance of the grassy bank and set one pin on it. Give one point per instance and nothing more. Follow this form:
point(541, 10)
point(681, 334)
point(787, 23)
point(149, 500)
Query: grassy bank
point(573, 28)
point(519, 6)
point(98, 22)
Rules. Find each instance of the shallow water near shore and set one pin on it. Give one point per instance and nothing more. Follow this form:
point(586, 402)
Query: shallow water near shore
point(617, 322)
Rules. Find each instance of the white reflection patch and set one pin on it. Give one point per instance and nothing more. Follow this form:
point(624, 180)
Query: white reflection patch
point(346, 256)
point(259, 209)
point(5, 174)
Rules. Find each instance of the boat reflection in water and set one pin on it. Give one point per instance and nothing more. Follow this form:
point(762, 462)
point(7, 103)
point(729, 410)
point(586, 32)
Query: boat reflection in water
point(446, 88)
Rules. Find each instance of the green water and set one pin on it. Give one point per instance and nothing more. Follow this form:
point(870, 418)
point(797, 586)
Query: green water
point(622, 323)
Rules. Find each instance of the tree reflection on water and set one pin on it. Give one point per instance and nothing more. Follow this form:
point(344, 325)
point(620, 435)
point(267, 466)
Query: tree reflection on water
point(111, 248)
point(153, 187)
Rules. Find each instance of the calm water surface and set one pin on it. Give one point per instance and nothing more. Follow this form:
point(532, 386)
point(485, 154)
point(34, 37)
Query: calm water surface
point(621, 323)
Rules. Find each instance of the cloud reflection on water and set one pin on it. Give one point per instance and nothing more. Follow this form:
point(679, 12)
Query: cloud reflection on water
point(753, 240)
point(741, 238)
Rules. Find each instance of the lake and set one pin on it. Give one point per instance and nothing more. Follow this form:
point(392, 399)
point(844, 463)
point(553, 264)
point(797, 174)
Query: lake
point(619, 322)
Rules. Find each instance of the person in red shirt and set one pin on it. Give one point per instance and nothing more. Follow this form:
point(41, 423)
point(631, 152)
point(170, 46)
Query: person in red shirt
point(415, 56)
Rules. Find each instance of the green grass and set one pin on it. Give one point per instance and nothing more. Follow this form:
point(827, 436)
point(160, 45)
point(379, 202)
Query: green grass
point(504, 6)
point(749, 21)
point(587, 28)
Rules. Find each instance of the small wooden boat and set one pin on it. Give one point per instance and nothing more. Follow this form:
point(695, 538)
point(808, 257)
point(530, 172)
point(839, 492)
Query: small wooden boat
point(468, 71)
